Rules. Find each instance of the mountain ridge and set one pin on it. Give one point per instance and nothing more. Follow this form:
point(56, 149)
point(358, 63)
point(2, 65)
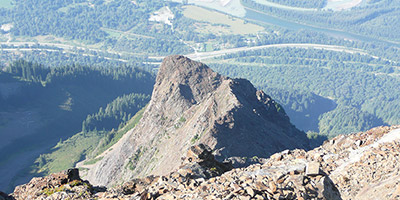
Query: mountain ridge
point(192, 104)
point(162, 159)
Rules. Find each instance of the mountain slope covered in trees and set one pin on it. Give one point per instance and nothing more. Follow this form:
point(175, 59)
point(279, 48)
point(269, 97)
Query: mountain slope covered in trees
point(41, 106)
point(363, 87)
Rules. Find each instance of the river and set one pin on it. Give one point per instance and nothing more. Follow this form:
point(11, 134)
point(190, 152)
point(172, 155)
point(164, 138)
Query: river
point(272, 20)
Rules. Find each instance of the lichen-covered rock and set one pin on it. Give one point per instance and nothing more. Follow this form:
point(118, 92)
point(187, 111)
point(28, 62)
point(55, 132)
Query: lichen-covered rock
point(63, 185)
point(200, 163)
point(285, 179)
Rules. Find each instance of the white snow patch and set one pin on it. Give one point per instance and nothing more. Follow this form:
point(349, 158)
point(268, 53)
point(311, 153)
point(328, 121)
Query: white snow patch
point(356, 154)
point(390, 137)
point(224, 2)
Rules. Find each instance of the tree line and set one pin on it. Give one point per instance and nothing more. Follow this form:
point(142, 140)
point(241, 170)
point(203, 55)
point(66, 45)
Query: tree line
point(303, 3)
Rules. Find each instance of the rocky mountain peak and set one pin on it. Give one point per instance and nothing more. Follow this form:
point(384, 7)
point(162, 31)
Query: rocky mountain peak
point(184, 82)
point(181, 70)
point(192, 104)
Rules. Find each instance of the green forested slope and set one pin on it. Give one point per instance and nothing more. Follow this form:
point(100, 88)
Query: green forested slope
point(363, 87)
point(60, 99)
point(87, 144)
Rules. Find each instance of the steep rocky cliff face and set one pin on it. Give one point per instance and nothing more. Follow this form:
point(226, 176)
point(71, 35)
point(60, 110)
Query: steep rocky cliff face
point(192, 104)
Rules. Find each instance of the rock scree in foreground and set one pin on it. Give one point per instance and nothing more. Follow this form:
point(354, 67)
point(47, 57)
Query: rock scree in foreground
point(63, 185)
point(191, 104)
point(358, 166)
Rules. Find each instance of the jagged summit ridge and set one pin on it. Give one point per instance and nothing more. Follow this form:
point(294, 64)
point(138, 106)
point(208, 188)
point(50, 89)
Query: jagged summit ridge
point(185, 82)
point(179, 70)
point(192, 104)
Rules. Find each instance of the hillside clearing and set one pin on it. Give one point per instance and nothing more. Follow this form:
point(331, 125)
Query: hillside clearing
point(6, 4)
point(338, 5)
point(232, 7)
point(218, 20)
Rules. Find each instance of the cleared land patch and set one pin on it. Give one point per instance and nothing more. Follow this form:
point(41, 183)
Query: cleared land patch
point(73, 5)
point(232, 7)
point(338, 5)
point(220, 23)
point(276, 5)
point(6, 4)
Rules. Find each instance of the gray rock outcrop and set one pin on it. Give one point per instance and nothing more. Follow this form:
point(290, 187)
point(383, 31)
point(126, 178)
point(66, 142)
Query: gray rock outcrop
point(63, 185)
point(191, 104)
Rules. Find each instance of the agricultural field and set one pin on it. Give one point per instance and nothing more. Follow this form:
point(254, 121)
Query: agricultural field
point(219, 23)
point(6, 4)
point(232, 7)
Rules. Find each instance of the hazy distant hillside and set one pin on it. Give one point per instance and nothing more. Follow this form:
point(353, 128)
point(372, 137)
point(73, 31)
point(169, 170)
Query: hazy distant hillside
point(41, 106)
point(363, 87)
point(362, 47)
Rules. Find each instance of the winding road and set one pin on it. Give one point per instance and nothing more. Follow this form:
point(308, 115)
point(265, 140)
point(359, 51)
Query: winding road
point(194, 56)
point(213, 54)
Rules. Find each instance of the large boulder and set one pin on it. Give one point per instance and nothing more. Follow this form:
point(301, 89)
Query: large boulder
point(64, 185)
